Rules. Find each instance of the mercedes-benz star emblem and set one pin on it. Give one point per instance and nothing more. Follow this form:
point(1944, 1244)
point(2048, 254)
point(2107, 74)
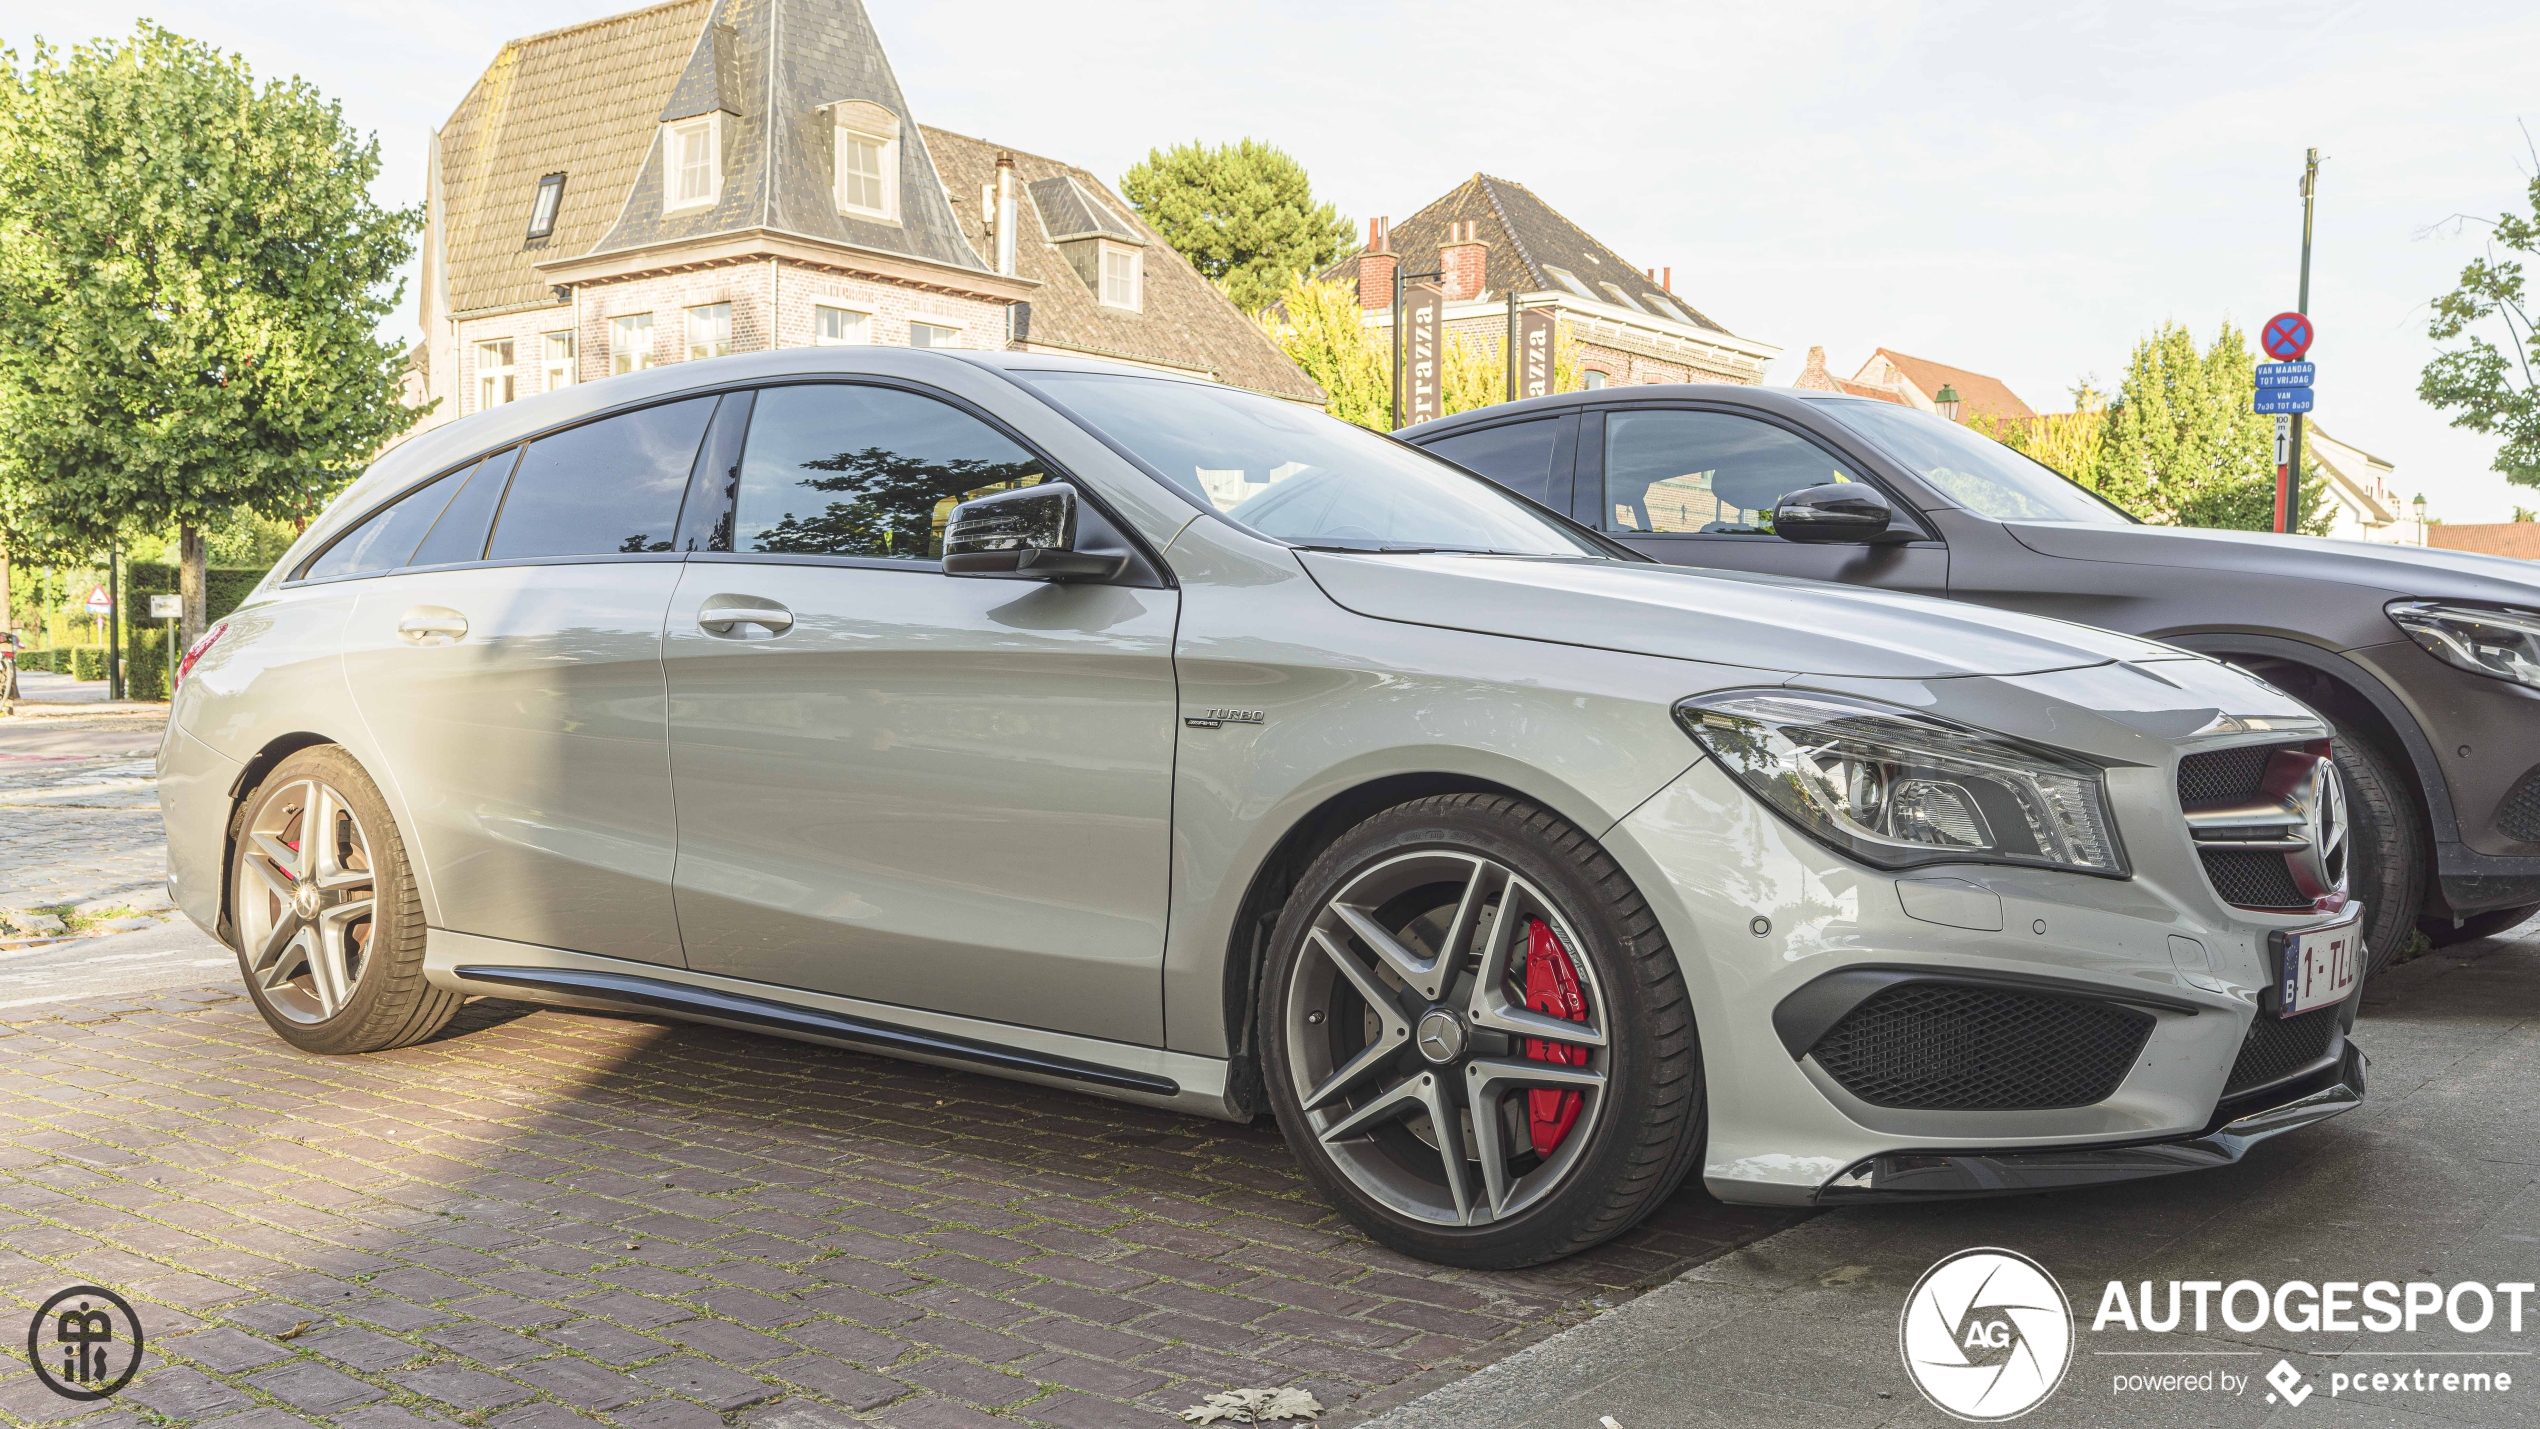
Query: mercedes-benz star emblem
point(2320, 868)
point(1441, 1037)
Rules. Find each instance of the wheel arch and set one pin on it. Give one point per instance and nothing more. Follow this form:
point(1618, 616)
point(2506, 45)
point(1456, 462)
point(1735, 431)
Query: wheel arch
point(251, 777)
point(1275, 876)
point(2351, 695)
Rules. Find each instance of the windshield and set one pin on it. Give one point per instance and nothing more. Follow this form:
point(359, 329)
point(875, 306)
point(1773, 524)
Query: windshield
point(1972, 469)
point(1298, 476)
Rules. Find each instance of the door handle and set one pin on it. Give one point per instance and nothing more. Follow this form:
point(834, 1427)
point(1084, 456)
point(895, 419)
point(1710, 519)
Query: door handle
point(432, 625)
point(723, 614)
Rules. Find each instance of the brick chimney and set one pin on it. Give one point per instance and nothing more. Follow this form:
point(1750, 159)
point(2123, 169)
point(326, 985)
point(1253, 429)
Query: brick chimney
point(1463, 259)
point(1376, 266)
point(1814, 376)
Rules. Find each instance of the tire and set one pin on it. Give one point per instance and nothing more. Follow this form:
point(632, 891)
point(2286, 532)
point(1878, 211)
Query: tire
point(1368, 1038)
point(2386, 847)
point(331, 950)
point(2440, 932)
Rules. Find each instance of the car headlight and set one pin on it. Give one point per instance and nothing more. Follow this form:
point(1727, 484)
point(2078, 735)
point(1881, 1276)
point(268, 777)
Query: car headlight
point(2483, 640)
point(1895, 788)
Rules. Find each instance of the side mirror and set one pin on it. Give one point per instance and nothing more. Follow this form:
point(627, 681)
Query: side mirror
point(1839, 512)
point(1027, 534)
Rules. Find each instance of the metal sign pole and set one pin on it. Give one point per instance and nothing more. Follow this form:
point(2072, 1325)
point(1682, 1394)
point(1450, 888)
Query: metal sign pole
point(2291, 481)
point(1511, 346)
point(114, 622)
point(1397, 347)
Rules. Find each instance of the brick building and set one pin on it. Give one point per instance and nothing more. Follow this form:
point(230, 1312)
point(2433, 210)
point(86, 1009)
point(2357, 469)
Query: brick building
point(1491, 236)
point(713, 176)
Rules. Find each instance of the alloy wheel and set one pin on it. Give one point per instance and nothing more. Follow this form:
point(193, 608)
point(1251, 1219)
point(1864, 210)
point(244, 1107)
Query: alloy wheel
point(1448, 1038)
point(305, 895)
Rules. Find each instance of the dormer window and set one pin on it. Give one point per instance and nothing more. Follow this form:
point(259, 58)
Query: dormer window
point(867, 160)
point(693, 162)
point(1123, 277)
point(542, 210)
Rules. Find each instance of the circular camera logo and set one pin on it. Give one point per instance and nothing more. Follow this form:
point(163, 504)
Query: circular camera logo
point(1987, 1334)
point(85, 1343)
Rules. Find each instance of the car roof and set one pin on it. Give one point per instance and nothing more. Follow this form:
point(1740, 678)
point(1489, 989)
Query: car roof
point(1781, 399)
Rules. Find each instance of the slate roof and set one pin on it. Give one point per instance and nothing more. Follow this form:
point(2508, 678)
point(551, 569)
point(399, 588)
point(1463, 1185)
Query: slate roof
point(1186, 321)
point(1531, 247)
point(582, 101)
point(589, 101)
point(1978, 395)
point(773, 67)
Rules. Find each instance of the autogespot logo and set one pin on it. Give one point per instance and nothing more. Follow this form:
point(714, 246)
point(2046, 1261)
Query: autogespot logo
point(1987, 1334)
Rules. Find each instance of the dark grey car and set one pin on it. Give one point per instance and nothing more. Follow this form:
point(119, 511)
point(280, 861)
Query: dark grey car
point(2427, 662)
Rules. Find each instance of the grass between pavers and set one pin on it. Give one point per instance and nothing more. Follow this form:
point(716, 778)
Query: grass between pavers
point(1528, 1324)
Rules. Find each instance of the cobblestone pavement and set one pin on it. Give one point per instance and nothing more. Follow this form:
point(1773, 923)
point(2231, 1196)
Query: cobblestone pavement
point(553, 1220)
point(79, 811)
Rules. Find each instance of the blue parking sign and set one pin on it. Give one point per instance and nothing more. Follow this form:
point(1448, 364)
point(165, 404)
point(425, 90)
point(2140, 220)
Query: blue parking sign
point(2283, 399)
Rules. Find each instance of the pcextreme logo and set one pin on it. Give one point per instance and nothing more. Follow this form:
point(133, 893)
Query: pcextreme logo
point(1986, 1335)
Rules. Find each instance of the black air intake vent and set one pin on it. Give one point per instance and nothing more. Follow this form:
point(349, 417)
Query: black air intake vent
point(2519, 816)
point(2277, 1047)
point(2225, 776)
point(1947, 1047)
point(2253, 878)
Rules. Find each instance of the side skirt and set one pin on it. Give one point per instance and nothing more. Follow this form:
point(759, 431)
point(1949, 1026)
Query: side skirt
point(526, 972)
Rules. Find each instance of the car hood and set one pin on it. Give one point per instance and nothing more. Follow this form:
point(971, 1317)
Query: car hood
point(2398, 570)
point(1722, 617)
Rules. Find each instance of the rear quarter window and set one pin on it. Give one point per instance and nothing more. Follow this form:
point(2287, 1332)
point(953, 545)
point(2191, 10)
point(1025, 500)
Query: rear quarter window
point(610, 487)
point(1517, 455)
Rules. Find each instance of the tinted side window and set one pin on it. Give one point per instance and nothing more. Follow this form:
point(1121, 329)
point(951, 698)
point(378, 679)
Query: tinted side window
point(1704, 471)
point(383, 542)
point(1517, 456)
point(837, 470)
point(460, 533)
point(607, 486)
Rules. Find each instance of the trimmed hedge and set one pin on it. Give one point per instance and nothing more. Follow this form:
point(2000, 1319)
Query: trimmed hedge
point(146, 642)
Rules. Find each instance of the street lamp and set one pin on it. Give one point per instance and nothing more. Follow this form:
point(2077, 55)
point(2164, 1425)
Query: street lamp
point(1947, 403)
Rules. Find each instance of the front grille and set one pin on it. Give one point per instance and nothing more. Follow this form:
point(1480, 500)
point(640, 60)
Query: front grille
point(2279, 1046)
point(1949, 1047)
point(2223, 776)
point(2520, 815)
point(2252, 878)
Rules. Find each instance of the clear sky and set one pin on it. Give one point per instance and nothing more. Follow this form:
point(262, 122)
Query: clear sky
point(2017, 189)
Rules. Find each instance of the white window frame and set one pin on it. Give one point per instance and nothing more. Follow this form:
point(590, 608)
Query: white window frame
point(855, 120)
point(630, 343)
point(701, 311)
point(560, 368)
point(488, 374)
point(1104, 252)
point(962, 338)
point(674, 162)
point(863, 324)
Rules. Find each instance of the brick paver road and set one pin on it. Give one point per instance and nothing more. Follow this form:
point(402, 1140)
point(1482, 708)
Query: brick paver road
point(550, 1220)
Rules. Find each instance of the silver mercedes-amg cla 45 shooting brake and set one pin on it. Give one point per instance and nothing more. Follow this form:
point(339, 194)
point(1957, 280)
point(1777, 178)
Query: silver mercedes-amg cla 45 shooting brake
point(1146, 737)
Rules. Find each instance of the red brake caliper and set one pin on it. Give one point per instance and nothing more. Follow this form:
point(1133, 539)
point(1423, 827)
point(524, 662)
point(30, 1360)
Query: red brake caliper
point(1552, 988)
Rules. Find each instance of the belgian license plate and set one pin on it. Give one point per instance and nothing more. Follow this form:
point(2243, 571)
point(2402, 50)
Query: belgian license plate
point(2322, 965)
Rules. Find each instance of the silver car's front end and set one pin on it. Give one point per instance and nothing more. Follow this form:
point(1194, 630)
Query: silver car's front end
point(1954, 1029)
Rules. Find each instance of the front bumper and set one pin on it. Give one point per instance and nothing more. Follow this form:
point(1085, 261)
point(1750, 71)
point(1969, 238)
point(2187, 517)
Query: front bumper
point(2237, 1126)
point(1762, 920)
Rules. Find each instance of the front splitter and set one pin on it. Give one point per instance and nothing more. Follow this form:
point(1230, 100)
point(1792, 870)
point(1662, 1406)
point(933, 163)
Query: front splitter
point(1946, 1175)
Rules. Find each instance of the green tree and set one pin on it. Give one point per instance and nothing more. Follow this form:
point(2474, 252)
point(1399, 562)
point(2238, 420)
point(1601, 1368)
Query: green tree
point(2489, 385)
point(2181, 445)
point(1321, 328)
point(1243, 213)
point(191, 271)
